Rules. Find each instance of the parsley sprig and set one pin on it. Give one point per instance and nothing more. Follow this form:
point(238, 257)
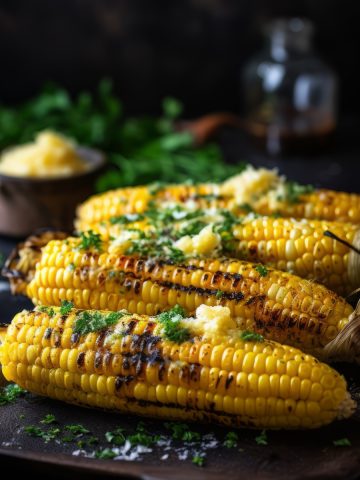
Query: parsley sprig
point(93, 321)
point(10, 393)
point(89, 240)
point(171, 322)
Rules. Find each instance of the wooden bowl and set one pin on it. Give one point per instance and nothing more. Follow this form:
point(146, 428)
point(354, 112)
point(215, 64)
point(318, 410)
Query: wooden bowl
point(27, 204)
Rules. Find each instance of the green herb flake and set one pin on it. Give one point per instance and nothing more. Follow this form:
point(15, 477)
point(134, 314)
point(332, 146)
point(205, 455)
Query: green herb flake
point(171, 322)
point(294, 191)
point(198, 460)
point(126, 219)
point(10, 393)
point(66, 307)
point(48, 419)
point(48, 310)
point(89, 240)
point(249, 336)
point(71, 267)
point(181, 431)
point(231, 440)
point(33, 431)
point(105, 454)
point(262, 270)
point(77, 429)
point(342, 442)
point(93, 321)
point(46, 435)
point(219, 294)
point(246, 207)
point(116, 436)
point(262, 438)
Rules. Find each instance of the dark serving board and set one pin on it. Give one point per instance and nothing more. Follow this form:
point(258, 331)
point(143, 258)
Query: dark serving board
point(288, 455)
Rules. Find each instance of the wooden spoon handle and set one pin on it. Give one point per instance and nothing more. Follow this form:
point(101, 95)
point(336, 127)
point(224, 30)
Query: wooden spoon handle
point(205, 127)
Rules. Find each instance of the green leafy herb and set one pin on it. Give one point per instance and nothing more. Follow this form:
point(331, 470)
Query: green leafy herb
point(33, 431)
point(66, 307)
point(93, 321)
point(155, 247)
point(198, 460)
point(49, 310)
point(10, 393)
point(116, 436)
point(77, 429)
point(71, 266)
point(249, 336)
point(262, 438)
point(231, 440)
point(48, 419)
point(171, 322)
point(262, 270)
point(86, 442)
point(90, 240)
point(293, 192)
point(219, 294)
point(342, 442)
point(46, 435)
point(126, 219)
point(105, 453)
point(246, 207)
point(181, 431)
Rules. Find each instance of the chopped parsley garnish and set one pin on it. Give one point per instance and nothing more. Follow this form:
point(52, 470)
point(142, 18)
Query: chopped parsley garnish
point(342, 442)
point(90, 240)
point(77, 429)
point(198, 460)
point(231, 440)
point(49, 310)
point(10, 393)
point(171, 322)
point(126, 219)
point(246, 207)
point(262, 270)
point(48, 419)
point(262, 438)
point(66, 307)
point(293, 192)
point(249, 336)
point(219, 294)
point(225, 230)
point(181, 431)
point(71, 266)
point(116, 436)
point(93, 321)
point(105, 453)
point(150, 246)
point(46, 435)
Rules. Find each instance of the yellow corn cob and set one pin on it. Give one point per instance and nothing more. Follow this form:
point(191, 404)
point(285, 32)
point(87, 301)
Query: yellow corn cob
point(210, 378)
point(279, 305)
point(301, 247)
point(265, 199)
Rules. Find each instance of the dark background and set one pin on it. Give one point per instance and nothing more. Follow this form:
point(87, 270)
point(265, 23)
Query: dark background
point(192, 49)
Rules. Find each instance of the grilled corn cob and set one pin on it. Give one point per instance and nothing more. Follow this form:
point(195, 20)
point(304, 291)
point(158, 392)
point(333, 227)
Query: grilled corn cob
point(276, 304)
point(262, 190)
point(132, 367)
point(301, 247)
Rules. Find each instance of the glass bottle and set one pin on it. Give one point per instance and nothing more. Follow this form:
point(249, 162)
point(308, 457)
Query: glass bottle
point(289, 92)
